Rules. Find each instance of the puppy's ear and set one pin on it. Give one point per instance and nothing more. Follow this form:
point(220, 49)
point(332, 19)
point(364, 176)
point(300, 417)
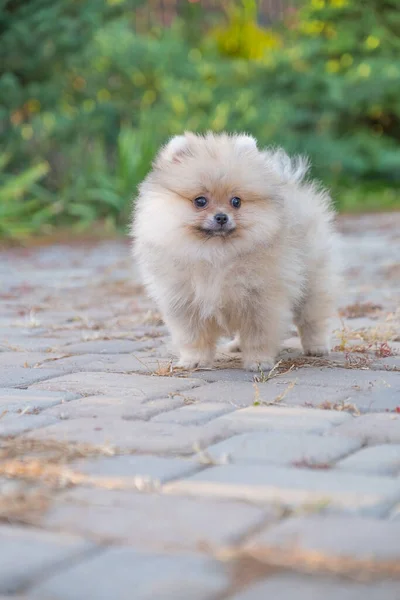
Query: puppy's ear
point(175, 149)
point(245, 143)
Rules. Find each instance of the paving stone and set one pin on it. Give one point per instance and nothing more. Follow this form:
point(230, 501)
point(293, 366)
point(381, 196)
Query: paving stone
point(283, 448)
point(138, 436)
point(292, 487)
point(225, 375)
point(21, 359)
point(152, 521)
point(15, 400)
point(152, 468)
point(121, 572)
point(355, 379)
point(108, 347)
point(334, 536)
point(25, 554)
point(14, 424)
point(283, 418)
point(241, 394)
point(315, 587)
point(124, 407)
point(115, 384)
point(109, 363)
point(386, 399)
point(381, 460)
point(21, 342)
point(382, 428)
point(193, 413)
point(395, 513)
point(20, 376)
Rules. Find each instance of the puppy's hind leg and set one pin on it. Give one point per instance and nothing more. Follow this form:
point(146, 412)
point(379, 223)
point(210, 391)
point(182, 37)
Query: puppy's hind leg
point(262, 333)
point(312, 319)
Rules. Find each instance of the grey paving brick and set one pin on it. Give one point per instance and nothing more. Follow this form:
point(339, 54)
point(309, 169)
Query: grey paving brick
point(225, 375)
point(153, 468)
point(303, 587)
point(14, 424)
point(283, 448)
point(343, 378)
point(20, 376)
point(193, 413)
point(395, 513)
point(21, 342)
point(284, 418)
point(241, 394)
point(22, 359)
point(386, 399)
point(152, 521)
point(381, 460)
point(138, 436)
point(124, 407)
point(15, 400)
point(110, 363)
point(292, 487)
point(108, 347)
point(381, 428)
point(115, 384)
point(26, 554)
point(334, 536)
point(146, 576)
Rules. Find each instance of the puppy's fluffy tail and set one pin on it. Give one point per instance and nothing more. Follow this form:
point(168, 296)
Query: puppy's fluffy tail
point(291, 170)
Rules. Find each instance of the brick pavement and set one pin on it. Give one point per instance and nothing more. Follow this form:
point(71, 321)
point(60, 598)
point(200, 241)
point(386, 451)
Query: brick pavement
point(123, 477)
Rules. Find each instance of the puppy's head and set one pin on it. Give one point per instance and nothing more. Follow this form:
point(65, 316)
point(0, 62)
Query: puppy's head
point(210, 196)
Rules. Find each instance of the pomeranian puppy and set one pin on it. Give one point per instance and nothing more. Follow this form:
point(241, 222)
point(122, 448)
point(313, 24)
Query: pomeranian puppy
point(231, 240)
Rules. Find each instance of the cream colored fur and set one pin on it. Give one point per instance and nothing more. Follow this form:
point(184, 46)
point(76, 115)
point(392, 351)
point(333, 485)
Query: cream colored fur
point(277, 264)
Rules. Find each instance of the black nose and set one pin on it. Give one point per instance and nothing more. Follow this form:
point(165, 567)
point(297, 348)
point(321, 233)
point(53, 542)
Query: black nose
point(221, 218)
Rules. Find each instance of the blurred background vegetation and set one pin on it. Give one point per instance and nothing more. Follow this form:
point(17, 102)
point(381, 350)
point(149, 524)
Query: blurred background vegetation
point(90, 88)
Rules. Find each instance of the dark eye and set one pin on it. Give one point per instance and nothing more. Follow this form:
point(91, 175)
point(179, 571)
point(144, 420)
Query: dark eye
point(236, 202)
point(200, 202)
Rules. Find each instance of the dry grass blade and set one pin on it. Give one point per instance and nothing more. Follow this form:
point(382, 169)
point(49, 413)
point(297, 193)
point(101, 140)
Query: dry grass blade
point(259, 402)
point(51, 451)
point(340, 406)
point(23, 507)
point(310, 561)
point(60, 476)
point(360, 309)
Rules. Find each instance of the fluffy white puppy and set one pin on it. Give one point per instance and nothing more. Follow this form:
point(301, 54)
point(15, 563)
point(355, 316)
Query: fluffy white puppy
point(231, 240)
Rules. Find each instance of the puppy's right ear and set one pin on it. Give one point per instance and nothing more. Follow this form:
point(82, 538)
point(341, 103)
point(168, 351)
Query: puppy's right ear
point(175, 149)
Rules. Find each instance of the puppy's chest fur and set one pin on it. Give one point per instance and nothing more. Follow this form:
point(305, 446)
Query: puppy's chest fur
point(222, 292)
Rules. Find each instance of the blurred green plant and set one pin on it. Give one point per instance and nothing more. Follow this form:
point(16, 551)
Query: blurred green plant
point(21, 211)
point(100, 187)
point(241, 36)
point(97, 98)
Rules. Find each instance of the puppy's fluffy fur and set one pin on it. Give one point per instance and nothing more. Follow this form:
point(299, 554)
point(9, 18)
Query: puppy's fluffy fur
point(272, 259)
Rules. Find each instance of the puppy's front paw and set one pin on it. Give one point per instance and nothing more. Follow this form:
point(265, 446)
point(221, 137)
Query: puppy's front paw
point(194, 361)
point(260, 365)
point(316, 350)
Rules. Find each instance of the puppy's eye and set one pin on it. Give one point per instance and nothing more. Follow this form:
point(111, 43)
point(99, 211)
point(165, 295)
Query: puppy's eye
point(200, 202)
point(236, 202)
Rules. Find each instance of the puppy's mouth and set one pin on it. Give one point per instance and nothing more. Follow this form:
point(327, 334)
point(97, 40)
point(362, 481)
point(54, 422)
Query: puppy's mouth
point(215, 232)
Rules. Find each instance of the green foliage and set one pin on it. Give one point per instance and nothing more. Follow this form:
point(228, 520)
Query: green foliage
point(339, 85)
point(81, 91)
point(97, 188)
point(242, 37)
point(20, 208)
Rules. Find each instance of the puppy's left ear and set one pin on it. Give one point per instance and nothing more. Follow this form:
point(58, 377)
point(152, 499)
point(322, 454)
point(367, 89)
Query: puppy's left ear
point(246, 143)
point(175, 149)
